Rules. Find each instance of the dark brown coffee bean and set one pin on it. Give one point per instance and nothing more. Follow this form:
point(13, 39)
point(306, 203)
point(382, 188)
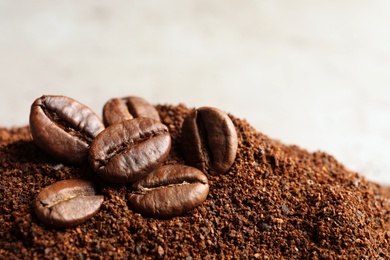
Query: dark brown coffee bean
point(119, 109)
point(170, 190)
point(209, 140)
point(67, 203)
point(129, 150)
point(63, 127)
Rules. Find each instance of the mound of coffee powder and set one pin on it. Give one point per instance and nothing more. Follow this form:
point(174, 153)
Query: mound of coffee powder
point(276, 201)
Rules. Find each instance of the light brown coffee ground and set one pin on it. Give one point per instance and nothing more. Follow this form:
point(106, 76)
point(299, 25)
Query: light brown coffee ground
point(276, 202)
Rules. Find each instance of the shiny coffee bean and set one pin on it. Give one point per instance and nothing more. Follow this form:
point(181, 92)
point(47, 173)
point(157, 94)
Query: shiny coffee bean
point(170, 190)
point(63, 127)
point(67, 203)
point(119, 109)
point(129, 150)
point(209, 140)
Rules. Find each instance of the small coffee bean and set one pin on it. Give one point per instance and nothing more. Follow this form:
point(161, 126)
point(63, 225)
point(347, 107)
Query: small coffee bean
point(67, 203)
point(209, 140)
point(170, 190)
point(63, 127)
point(127, 151)
point(119, 109)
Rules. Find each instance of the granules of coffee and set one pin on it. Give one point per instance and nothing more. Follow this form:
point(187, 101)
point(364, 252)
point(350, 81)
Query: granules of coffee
point(276, 201)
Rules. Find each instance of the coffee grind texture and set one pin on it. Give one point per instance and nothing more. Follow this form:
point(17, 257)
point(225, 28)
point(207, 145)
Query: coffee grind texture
point(277, 201)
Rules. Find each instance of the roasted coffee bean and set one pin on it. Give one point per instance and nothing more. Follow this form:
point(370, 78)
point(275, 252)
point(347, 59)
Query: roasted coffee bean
point(209, 140)
point(129, 150)
point(64, 128)
point(119, 109)
point(170, 190)
point(67, 203)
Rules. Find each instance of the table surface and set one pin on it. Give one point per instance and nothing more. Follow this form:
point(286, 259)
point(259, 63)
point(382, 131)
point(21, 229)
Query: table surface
point(311, 73)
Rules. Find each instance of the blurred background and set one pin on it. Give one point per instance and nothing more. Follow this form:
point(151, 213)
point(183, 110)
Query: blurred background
point(311, 73)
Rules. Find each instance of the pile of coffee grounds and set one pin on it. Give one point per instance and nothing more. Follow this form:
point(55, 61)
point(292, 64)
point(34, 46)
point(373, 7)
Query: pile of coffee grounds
point(277, 201)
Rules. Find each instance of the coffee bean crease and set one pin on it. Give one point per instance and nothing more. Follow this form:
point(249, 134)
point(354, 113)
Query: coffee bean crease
point(169, 191)
point(209, 140)
point(128, 150)
point(119, 109)
point(67, 203)
point(124, 146)
point(63, 127)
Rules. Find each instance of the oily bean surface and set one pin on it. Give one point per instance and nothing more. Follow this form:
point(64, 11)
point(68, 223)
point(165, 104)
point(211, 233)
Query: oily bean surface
point(209, 140)
point(118, 109)
point(67, 203)
point(64, 128)
point(129, 150)
point(170, 190)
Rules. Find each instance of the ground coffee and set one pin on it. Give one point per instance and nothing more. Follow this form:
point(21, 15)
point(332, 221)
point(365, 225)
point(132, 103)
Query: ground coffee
point(276, 202)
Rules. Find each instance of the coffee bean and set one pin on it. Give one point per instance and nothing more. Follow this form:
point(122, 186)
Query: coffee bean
point(67, 203)
point(129, 150)
point(209, 140)
point(170, 190)
point(119, 109)
point(63, 127)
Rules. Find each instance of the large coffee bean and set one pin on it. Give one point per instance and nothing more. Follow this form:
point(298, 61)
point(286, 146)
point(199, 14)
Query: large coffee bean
point(67, 203)
point(209, 140)
point(63, 127)
point(170, 190)
point(129, 150)
point(119, 109)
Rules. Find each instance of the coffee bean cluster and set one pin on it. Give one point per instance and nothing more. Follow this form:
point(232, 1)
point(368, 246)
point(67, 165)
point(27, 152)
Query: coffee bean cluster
point(129, 145)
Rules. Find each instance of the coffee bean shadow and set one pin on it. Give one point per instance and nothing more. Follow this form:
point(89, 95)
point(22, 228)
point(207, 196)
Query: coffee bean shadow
point(26, 156)
point(24, 152)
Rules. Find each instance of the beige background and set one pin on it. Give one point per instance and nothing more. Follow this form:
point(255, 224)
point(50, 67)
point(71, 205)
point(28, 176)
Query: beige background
point(312, 73)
